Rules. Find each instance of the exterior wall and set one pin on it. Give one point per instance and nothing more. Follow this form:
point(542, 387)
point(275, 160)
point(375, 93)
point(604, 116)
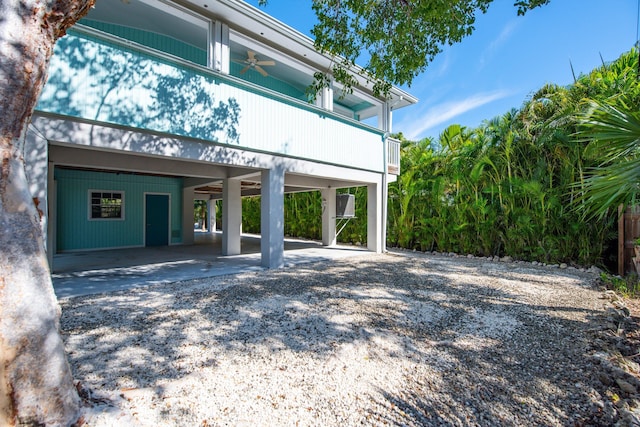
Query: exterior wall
point(192, 54)
point(101, 81)
point(152, 40)
point(268, 82)
point(76, 232)
point(205, 156)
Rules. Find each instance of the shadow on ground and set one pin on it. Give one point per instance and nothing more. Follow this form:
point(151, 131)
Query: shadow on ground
point(486, 346)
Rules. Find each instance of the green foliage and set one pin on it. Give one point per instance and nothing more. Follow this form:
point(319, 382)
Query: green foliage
point(510, 186)
point(251, 215)
point(399, 37)
point(615, 143)
point(303, 216)
point(517, 185)
point(200, 211)
point(628, 286)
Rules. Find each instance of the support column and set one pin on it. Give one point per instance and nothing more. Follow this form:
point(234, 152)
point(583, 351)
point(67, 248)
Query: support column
point(188, 198)
point(324, 98)
point(374, 217)
point(219, 51)
point(327, 97)
point(384, 117)
point(329, 237)
point(211, 210)
point(231, 216)
point(272, 218)
point(385, 122)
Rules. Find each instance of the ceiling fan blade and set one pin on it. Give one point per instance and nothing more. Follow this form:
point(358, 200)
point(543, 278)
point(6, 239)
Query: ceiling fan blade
point(266, 63)
point(251, 55)
point(244, 70)
point(261, 70)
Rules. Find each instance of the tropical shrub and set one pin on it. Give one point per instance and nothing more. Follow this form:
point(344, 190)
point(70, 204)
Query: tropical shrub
point(303, 216)
point(518, 185)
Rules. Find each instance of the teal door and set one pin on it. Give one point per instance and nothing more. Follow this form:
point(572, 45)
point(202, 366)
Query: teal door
point(157, 220)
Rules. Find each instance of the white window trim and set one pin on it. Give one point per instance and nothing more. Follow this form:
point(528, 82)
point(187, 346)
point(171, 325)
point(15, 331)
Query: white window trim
point(90, 205)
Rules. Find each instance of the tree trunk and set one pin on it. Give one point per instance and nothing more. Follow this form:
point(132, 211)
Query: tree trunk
point(36, 386)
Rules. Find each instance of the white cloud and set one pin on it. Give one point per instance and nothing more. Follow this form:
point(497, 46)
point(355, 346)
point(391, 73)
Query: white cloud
point(445, 64)
point(503, 38)
point(413, 127)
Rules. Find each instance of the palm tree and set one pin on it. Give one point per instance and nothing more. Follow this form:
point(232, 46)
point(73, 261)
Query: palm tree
point(614, 134)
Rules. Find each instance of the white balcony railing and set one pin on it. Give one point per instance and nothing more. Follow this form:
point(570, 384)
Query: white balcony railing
point(393, 156)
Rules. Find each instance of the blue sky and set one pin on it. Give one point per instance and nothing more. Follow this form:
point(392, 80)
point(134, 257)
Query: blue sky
point(505, 60)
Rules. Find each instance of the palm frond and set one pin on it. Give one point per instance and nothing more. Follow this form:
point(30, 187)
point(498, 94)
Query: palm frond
point(614, 135)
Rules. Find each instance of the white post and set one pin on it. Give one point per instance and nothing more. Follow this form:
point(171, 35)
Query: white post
point(219, 57)
point(374, 217)
point(188, 198)
point(211, 209)
point(385, 194)
point(386, 126)
point(327, 97)
point(329, 217)
point(272, 218)
point(324, 98)
point(231, 216)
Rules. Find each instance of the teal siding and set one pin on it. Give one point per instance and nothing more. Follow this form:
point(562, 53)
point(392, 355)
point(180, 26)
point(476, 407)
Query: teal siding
point(153, 40)
point(76, 232)
point(99, 80)
point(269, 82)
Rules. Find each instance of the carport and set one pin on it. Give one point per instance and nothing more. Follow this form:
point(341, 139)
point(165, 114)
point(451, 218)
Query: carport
point(100, 183)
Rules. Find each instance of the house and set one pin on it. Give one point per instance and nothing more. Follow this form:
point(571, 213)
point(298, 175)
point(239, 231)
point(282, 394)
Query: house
point(152, 104)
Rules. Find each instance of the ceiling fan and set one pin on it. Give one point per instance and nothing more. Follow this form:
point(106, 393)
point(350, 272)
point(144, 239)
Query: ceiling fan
point(255, 63)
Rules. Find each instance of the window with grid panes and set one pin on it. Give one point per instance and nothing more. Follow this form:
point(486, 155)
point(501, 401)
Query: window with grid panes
point(107, 205)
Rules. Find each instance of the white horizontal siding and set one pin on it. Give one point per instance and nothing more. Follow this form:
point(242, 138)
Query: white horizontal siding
point(269, 125)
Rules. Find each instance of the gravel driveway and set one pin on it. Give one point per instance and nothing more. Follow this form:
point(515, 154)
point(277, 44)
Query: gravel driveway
point(406, 340)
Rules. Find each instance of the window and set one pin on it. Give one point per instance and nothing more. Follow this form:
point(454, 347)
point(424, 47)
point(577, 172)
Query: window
point(106, 205)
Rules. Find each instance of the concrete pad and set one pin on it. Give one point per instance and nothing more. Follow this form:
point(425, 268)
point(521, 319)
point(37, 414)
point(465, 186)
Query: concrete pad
point(96, 272)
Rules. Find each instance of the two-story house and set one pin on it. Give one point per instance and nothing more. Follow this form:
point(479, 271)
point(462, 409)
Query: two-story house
point(151, 104)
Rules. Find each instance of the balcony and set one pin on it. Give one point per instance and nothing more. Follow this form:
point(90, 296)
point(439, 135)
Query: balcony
point(104, 79)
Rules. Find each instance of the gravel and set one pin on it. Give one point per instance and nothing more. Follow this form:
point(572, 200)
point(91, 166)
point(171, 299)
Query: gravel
point(401, 339)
